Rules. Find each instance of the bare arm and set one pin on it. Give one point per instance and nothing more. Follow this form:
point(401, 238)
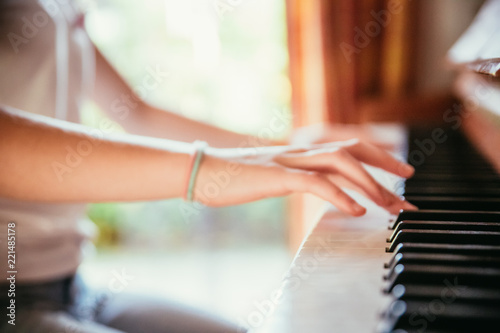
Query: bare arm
point(119, 101)
point(43, 159)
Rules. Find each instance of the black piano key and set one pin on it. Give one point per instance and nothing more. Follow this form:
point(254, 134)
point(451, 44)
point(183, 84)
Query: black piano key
point(455, 203)
point(446, 215)
point(443, 259)
point(439, 316)
point(451, 291)
point(445, 237)
point(437, 274)
point(452, 177)
point(444, 225)
point(456, 169)
point(459, 191)
point(410, 183)
point(468, 249)
point(445, 293)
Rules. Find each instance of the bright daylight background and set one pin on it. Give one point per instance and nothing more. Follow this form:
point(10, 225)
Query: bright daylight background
point(227, 68)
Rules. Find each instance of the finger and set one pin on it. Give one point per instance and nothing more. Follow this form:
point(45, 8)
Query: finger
point(340, 161)
point(394, 208)
point(354, 171)
point(380, 158)
point(399, 205)
point(343, 182)
point(319, 185)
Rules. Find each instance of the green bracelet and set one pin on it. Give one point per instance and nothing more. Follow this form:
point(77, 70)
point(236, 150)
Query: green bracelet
point(200, 149)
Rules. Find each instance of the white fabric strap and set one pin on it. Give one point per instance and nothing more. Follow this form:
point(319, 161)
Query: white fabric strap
point(56, 13)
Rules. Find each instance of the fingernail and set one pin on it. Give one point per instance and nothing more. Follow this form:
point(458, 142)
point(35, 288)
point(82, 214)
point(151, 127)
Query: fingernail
point(358, 210)
point(409, 206)
point(408, 169)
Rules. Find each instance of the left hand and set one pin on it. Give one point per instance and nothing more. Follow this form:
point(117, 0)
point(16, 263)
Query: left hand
point(324, 133)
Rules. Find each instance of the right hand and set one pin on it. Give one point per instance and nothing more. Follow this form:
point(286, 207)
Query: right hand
point(229, 177)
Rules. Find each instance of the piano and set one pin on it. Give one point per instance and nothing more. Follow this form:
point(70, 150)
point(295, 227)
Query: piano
point(435, 270)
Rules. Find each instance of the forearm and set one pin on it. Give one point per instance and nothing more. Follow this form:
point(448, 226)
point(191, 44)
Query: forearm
point(151, 121)
point(114, 96)
point(48, 160)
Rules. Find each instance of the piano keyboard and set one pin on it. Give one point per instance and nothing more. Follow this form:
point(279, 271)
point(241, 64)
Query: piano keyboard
point(436, 270)
point(444, 273)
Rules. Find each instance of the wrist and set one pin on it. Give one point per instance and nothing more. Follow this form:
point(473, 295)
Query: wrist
point(215, 175)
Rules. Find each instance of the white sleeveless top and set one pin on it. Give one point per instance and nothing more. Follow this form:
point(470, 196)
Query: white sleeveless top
point(46, 67)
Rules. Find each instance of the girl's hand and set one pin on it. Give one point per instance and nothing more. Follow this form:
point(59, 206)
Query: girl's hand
point(380, 135)
point(235, 176)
